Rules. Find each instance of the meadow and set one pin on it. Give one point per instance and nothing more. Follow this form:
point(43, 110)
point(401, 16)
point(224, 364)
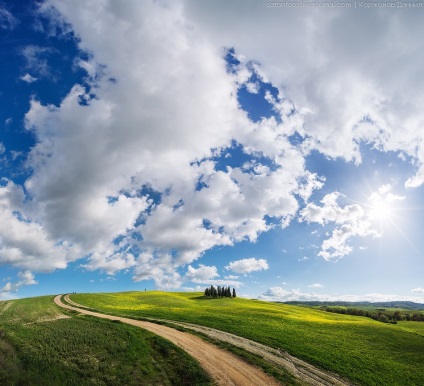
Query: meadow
point(362, 350)
point(41, 344)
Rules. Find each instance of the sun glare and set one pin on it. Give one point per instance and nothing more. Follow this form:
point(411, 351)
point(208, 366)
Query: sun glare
point(381, 210)
point(383, 205)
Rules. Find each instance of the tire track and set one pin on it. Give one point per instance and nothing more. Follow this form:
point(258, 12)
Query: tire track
point(224, 368)
point(304, 371)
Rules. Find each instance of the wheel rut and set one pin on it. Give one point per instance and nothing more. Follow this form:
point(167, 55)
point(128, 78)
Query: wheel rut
point(224, 368)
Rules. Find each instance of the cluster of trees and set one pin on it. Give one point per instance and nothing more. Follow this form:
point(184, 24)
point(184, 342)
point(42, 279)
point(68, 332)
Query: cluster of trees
point(380, 314)
point(220, 292)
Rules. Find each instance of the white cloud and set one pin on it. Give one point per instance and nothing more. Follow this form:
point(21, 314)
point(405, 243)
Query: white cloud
point(352, 221)
point(25, 243)
point(248, 265)
point(28, 78)
point(209, 276)
point(174, 105)
point(382, 202)
point(224, 283)
point(25, 278)
point(331, 211)
point(2, 148)
point(340, 76)
point(198, 288)
point(280, 294)
point(316, 285)
point(36, 61)
point(110, 261)
point(7, 20)
point(253, 88)
point(70, 194)
point(161, 268)
point(201, 274)
point(418, 290)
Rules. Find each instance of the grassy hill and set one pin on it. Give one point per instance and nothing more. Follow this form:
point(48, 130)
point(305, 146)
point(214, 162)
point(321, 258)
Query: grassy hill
point(360, 349)
point(41, 344)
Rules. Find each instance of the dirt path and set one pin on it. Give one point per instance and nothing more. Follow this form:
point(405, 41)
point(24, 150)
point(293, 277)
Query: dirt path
point(224, 368)
point(279, 358)
point(301, 369)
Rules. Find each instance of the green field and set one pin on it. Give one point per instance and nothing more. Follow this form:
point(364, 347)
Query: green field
point(41, 344)
point(360, 349)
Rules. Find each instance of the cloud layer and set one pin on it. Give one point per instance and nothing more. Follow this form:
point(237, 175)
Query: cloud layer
point(339, 66)
point(138, 162)
point(130, 171)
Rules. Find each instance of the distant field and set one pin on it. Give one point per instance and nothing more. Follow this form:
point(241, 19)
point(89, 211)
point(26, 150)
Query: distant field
point(360, 349)
point(42, 345)
point(415, 327)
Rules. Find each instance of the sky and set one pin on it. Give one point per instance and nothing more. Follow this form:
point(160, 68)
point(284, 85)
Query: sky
point(273, 147)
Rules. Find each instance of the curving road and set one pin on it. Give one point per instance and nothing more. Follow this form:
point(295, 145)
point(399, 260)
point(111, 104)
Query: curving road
point(224, 368)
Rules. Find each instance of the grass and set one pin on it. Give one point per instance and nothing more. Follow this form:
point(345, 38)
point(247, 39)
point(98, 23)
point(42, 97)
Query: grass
point(414, 327)
point(38, 346)
point(360, 349)
point(280, 374)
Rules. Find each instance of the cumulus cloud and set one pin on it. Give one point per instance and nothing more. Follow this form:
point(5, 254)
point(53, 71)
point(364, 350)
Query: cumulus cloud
point(418, 290)
point(224, 283)
point(25, 278)
point(24, 242)
point(159, 267)
point(351, 221)
point(201, 274)
point(110, 261)
point(209, 276)
point(108, 190)
point(198, 288)
point(248, 265)
point(138, 162)
point(331, 211)
point(344, 85)
point(278, 294)
point(28, 78)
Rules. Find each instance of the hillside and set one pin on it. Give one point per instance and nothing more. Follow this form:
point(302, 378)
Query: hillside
point(40, 344)
point(360, 349)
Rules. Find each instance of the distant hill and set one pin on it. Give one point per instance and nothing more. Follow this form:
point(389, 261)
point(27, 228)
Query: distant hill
point(395, 304)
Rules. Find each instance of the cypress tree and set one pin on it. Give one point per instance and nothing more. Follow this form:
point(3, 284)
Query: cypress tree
point(234, 292)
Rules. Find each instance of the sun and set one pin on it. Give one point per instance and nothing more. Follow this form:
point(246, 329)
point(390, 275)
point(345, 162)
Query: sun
point(383, 205)
point(381, 210)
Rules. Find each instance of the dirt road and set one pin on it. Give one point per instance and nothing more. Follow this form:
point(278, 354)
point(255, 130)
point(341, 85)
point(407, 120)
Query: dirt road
point(307, 373)
point(279, 358)
point(224, 368)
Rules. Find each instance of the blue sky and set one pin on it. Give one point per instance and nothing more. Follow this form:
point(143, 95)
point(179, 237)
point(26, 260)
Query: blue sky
point(174, 145)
